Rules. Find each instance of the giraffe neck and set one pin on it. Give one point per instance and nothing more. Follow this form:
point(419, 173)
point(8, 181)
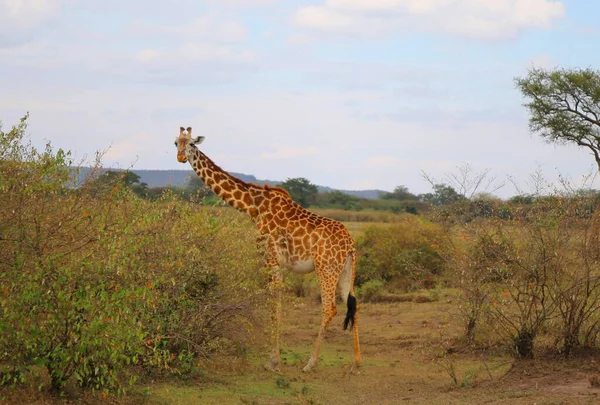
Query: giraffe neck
point(232, 190)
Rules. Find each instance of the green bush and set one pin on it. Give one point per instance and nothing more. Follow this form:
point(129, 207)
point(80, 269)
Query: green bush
point(98, 284)
point(406, 251)
point(207, 276)
point(371, 291)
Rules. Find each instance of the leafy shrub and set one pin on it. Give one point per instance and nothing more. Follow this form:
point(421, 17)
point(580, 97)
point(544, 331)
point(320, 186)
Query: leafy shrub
point(371, 291)
point(97, 282)
point(207, 276)
point(355, 216)
point(407, 250)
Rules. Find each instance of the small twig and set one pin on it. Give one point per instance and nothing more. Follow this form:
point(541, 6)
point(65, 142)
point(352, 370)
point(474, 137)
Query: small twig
point(487, 368)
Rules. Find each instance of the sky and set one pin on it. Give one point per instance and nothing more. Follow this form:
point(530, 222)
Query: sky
point(351, 94)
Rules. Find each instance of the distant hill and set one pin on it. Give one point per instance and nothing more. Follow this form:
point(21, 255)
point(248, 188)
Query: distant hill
point(369, 194)
point(178, 178)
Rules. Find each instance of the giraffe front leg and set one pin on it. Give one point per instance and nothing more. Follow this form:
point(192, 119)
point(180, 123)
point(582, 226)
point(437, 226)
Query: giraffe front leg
point(329, 311)
point(276, 286)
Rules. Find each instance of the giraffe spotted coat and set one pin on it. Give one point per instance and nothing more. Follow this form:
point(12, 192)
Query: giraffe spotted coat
point(297, 240)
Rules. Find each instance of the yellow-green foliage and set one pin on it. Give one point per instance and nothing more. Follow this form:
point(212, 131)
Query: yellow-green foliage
point(407, 250)
point(94, 279)
point(358, 216)
point(533, 274)
point(371, 290)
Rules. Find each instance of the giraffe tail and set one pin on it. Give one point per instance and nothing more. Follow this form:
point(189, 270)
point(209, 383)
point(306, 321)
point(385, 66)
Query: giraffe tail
point(351, 311)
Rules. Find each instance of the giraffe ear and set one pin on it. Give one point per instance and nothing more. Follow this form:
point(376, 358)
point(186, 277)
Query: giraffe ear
point(197, 140)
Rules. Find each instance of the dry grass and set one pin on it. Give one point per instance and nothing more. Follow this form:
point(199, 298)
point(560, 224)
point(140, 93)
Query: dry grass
point(357, 229)
point(411, 355)
point(358, 216)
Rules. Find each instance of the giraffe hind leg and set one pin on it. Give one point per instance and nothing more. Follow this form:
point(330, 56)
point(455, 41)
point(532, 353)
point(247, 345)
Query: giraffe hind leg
point(354, 369)
point(329, 311)
point(346, 284)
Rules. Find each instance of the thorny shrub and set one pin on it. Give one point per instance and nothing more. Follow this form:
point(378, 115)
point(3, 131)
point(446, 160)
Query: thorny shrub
point(537, 272)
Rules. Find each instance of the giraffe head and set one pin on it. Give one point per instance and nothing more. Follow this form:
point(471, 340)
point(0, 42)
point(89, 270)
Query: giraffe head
point(185, 143)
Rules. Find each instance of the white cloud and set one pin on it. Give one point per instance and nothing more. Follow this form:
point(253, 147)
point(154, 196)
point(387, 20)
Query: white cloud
point(300, 38)
point(289, 153)
point(202, 28)
point(204, 48)
point(147, 55)
point(479, 19)
point(336, 21)
point(209, 52)
point(21, 20)
point(28, 13)
point(194, 63)
point(184, 63)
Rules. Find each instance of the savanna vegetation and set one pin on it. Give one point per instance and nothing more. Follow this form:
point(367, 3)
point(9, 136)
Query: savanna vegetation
point(100, 288)
point(108, 286)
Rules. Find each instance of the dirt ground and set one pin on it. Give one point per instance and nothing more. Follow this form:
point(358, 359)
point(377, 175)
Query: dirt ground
point(401, 346)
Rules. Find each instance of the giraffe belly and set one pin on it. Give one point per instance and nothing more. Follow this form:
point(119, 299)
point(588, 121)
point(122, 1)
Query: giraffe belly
point(303, 267)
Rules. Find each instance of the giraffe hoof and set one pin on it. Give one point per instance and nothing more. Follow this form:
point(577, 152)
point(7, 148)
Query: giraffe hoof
point(309, 366)
point(272, 366)
point(354, 370)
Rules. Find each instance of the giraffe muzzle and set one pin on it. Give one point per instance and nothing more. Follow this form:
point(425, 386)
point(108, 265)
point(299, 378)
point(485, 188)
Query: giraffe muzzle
point(181, 159)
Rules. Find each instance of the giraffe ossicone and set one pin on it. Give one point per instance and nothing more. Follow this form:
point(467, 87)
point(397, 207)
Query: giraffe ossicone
point(297, 240)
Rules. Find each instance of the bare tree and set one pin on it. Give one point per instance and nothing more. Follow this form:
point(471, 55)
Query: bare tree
point(467, 182)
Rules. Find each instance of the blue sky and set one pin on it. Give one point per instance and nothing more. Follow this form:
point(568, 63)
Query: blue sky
point(352, 94)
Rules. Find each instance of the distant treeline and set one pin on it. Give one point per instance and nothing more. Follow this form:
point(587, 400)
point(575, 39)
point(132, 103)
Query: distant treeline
point(401, 200)
point(177, 179)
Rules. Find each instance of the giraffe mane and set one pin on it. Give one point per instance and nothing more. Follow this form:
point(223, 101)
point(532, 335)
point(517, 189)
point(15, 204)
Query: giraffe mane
point(279, 190)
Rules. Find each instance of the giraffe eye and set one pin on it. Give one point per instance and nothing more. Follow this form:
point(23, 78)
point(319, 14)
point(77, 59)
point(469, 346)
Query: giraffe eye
point(175, 143)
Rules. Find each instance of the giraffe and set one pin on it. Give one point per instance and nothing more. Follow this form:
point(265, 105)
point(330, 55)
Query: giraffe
point(296, 240)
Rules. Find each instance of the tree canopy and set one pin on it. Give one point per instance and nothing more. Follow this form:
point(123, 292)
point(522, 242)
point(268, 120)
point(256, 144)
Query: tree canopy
point(564, 106)
point(442, 194)
point(339, 199)
point(400, 193)
point(128, 178)
point(301, 190)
